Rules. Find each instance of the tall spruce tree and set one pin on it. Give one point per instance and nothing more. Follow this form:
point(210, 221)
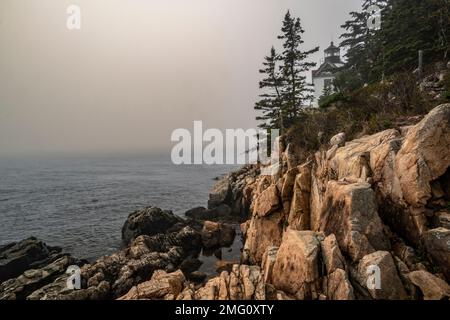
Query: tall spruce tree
point(327, 91)
point(270, 103)
point(410, 26)
point(295, 91)
point(363, 43)
point(407, 26)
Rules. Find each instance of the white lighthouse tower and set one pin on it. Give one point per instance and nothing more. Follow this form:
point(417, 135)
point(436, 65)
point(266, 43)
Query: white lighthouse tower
point(324, 75)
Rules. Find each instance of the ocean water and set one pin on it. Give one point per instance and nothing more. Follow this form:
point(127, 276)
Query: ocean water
point(81, 202)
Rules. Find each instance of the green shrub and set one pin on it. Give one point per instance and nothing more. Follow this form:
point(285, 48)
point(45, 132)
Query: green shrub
point(366, 110)
point(332, 99)
point(447, 95)
point(447, 81)
point(446, 84)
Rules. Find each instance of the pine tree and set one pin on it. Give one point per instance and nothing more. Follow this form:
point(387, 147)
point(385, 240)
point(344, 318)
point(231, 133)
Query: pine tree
point(270, 103)
point(407, 26)
point(410, 26)
point(327, 91)
point(441, 14)
point(363, 43)
point(295, 91)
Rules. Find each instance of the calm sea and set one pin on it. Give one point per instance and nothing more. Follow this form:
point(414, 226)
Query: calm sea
point(81, 202)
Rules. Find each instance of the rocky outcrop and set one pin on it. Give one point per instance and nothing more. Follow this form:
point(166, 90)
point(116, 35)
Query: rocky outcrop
point(442, 219)
point(338, 140)
point(349, 211)
point(267, 202)
point(221, 193)
point(149, 221)
point(33, 279)
point(296, 268)
point(332, 256)
point(230, 198)
point(437, 243)
point(336, 286)
point(136, 263)
point(242, 283)
point(156, 240)
point(432, 287)
point(377, 273)
point(400, 165)
point(234, 191)
point(220, 213)
point(163, 285)
point(319, 228)
point(262, 233)
point(17, 257)
point(217, 235)
point(268, 262)
point(364, 219)
point(299, 217)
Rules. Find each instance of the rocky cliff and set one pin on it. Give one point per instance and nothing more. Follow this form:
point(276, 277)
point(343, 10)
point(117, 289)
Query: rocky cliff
point(362, 219)
point(319, 229)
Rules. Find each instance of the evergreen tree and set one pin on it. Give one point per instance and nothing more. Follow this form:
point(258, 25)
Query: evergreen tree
point(347, 80)
point(410, 26)
point(295, 91)
point(407, 26)
point(270, 103)
point(327, 91)
point(363, 43)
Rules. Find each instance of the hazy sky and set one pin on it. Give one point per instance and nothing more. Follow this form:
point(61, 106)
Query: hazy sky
point(138, 69)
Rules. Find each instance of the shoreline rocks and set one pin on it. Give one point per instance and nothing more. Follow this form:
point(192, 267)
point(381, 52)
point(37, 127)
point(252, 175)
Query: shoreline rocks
point(155, 241)
point(371, 203)
point(233, 191)
point(216, 235)
point(365, 219)
point(149, 221)
point(30, 253)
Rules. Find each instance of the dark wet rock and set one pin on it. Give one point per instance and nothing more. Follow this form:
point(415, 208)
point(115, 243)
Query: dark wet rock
point(190, 264)
point(111, 276)
point(56, 290)
point(155, 240)
point(225, 265)
point(234, 191)
point(17, 257)
point(220, 194)
point(218, 253)
point(149, 221)
point(187, 238)
point(221, 212)
point(33, 279)
point(197, 276)
point(114, 275)
point(437, 243)
point(195, 212)
point(442, 219)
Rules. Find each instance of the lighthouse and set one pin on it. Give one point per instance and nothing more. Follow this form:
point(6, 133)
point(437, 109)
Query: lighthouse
point(323, 77)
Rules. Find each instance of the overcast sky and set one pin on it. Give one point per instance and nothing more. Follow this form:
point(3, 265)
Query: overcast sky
point(138, 69)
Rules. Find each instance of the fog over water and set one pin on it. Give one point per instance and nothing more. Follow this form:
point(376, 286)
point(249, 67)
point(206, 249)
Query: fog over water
point(138, 69)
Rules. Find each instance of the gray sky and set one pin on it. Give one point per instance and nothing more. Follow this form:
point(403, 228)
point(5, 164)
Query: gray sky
point(138, 69)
